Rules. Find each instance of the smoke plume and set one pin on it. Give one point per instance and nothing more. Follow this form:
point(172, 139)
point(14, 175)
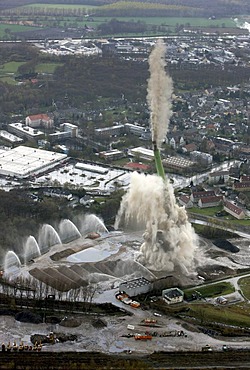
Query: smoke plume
point(160, 88)
point(169, 239)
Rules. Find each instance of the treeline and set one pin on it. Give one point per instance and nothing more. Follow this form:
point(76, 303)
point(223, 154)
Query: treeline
point(186, 8)
point(20, 217)
point(48, 11)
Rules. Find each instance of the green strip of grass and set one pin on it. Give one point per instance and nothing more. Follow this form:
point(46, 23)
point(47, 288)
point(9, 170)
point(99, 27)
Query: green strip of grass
point(212, 290)
point(47, 67)
point(232, 315)
point(244, 284)
point(57, 6)
point(210, 211)
point(10, 67)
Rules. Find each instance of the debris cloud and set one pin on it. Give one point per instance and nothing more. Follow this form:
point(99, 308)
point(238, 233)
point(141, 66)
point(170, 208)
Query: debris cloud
point(150, 204)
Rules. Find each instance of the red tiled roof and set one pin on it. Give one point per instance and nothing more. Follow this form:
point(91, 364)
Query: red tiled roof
point(137, 166)
point(184, 198)
point(242, 185)
point(213, 199)
point(203, 194)
point(36, 117)
point(245, 178)
point(232, 207)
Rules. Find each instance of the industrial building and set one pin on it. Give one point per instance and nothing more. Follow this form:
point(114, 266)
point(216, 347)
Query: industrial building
point(112, 155)
point(24, 161)
point(13, 139)
point(135, 287)
point(106, 132)
point(141, 152)
point(23, 131)
point(67, 131)
point(178, 163)
point(91, 168)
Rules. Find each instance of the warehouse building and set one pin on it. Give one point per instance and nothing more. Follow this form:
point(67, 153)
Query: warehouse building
point(135, 287)
point(24, 161)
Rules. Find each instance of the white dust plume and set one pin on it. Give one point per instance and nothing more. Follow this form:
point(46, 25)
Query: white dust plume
point(169, 239)
point(160, 88)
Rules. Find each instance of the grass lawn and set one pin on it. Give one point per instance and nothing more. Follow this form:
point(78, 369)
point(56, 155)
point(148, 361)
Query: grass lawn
point(14, 28)
point(212, 290)
point(47, 67)
point(244, 284)
point(7, 72)
point(210, 211)
point(231, 315)
point(10, 67)
point(8, 80)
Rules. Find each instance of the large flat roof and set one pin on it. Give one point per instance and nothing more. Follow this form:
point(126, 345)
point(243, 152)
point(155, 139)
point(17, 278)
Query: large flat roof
point(24, 161)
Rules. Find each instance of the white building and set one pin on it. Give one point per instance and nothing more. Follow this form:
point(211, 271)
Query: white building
point(13, 139)
point(141, 152)
point(172, 295)
point(24, 161)
point(69, 127)
point(218, 176)
point(27, 132)
point(39, 120)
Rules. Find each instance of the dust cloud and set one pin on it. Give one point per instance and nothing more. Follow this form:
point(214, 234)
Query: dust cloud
point(150, 204)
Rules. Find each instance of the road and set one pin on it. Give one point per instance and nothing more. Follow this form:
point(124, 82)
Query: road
point(242, 234)
point(181, 181)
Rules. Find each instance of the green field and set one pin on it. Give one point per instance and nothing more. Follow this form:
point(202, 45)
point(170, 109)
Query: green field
point(212, 290)
point(47, 67)
point(57, 6)
point(244, 284)
point(13, 28)
point(236, 315)
point(7, 72)
point(210, 211)
point(172, 21)
point(10, 67)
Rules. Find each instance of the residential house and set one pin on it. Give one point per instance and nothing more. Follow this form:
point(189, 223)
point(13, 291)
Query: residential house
point(234, 210)
point(185, 201)
point(189, 148)
point(197, 195)
point(172, 295)
point(241, 186)
point(245, 178)
point(210, 201)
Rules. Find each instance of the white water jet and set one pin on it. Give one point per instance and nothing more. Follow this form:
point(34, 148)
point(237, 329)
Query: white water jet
point(92, 223)
point(31, 249)
point(169, 239)
point(11, 262)
point(68, 231)
point(48, 237)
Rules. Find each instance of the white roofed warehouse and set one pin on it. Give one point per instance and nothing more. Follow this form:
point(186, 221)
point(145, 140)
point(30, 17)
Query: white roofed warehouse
point(24, 161)
point(136, 286)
